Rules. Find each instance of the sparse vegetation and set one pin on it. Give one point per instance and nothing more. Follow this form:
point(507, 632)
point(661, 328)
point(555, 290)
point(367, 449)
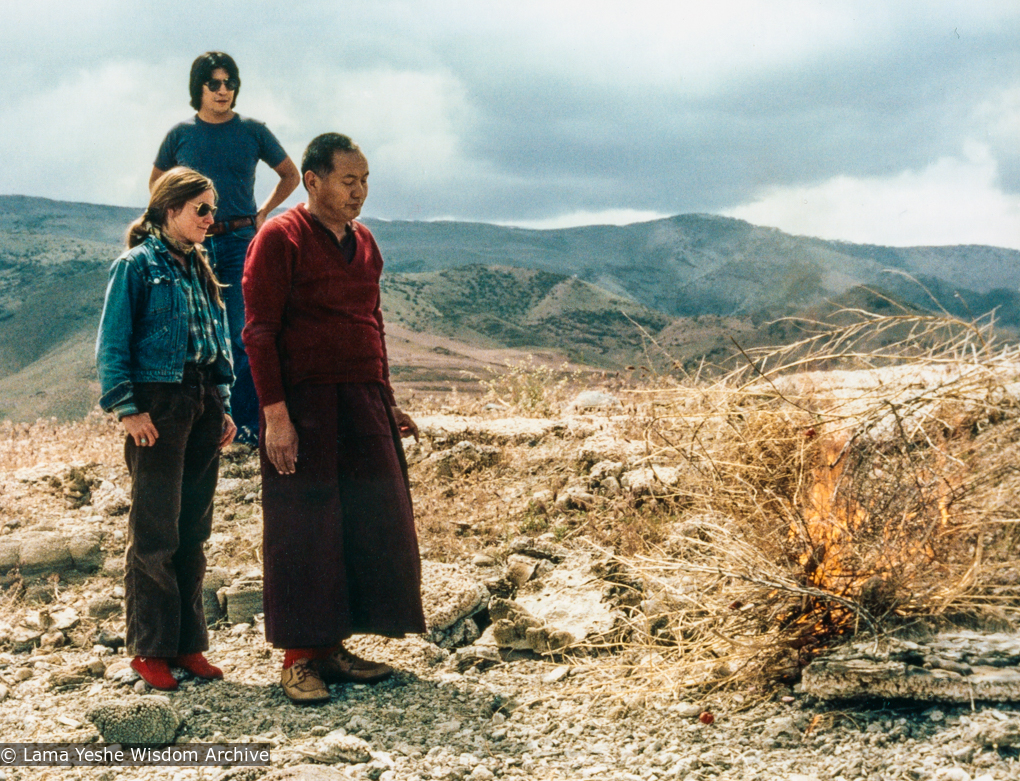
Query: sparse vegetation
point(785, 508)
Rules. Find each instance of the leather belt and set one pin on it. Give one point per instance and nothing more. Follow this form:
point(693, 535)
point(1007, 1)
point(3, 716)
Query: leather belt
point(229, 226)
point(197, 375)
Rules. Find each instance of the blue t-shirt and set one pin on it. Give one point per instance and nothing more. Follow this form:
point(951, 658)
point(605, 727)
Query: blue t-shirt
point(227, 153)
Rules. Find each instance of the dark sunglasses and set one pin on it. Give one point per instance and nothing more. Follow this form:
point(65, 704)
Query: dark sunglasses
point(215, 84)
point(204, 210)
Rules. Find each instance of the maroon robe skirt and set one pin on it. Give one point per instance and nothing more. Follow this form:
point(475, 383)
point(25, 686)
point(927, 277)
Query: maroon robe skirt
point(340, 551)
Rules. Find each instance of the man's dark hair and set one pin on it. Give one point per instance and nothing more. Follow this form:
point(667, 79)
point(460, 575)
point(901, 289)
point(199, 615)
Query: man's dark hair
point(318, 157)
point(202, 69)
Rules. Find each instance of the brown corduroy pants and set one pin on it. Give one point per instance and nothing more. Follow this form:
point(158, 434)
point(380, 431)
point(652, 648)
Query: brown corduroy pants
point(173, 483)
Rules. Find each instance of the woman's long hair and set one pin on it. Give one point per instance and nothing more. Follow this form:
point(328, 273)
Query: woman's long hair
point(171, 191)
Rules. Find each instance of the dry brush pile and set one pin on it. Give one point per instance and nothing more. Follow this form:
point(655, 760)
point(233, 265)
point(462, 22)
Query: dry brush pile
point(860, 480)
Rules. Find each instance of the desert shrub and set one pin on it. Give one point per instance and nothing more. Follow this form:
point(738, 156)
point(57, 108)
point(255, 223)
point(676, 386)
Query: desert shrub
point(529, 388)
point(824, 504)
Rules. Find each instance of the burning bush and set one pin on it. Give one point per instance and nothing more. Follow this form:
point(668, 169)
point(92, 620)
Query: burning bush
point(825, 503)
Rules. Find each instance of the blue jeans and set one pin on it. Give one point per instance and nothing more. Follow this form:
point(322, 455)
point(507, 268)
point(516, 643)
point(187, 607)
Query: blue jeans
point(226, 255)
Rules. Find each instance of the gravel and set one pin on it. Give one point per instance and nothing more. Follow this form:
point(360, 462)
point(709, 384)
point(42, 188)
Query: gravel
point(524, 719)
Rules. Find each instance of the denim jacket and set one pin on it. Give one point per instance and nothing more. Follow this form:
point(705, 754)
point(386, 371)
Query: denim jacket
point(143, 333)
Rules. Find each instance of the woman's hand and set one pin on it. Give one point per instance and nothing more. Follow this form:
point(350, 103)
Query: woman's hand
point(141, 429)
point(229, 430)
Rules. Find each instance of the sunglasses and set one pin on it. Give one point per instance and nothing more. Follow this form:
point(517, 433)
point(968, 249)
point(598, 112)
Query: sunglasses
point(204, 209)
point(215, 84)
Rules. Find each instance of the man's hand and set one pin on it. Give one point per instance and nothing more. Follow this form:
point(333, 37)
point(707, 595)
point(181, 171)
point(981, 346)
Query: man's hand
point(260, 217)
point(141, 429)
point(406, 426)
point(229, 431)
point(281, 438)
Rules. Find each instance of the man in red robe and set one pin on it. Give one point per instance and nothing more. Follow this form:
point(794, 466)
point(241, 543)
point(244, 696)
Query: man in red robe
point(340, 552)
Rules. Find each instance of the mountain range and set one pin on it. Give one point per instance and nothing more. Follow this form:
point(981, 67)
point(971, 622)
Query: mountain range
point(464, 298)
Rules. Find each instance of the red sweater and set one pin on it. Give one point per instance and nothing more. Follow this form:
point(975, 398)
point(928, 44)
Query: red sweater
point(310, 316)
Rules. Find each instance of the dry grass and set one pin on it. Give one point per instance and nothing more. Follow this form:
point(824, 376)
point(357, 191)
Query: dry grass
point(813, 510)
point(813, 502)
point(95, 439)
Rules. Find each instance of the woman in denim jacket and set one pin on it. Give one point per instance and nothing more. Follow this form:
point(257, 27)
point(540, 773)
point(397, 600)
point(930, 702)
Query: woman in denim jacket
point(165, 369)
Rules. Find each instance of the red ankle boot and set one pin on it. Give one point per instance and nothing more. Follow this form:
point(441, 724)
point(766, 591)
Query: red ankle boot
point(196, 664)
point(155, 671)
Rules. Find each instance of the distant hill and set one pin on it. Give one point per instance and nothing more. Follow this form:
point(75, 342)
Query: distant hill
point(696, 264)
point(461, 297)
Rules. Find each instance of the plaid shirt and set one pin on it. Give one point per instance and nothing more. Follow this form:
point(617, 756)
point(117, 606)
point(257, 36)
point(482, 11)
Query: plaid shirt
point(202, 348)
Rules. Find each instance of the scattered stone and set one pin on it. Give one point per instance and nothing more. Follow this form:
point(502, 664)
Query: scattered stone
point(463, 458)
point(338, 746)
point(570, 603)
point(481, 712)
point(65, 679)
point(604, 469)
point(899, 668)
point(539, 548)
point(482, 560)
point(520, 569)
point(102, 608)
point(686, 710)
point(651, 481)
point(244, 601)
point(44, 552)
point(52, 639)
point(478, 657)
point(574, 498)
point(25, 638)
point(216, 578)
point(556, 674)
point(593, 399)
point(304, 773)
point(108, 499)
point(121, 671)
point(148, 720)
point(86, 551)
point(998, 734)
point(542, 500)
point(449, 595)
point(10, 554)
point(39, 594)
point(111, 640)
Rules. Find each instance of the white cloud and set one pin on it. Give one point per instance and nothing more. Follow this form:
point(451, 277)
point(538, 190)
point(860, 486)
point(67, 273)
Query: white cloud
point(408, 122)
point(92, 137)
point(955, 200)
point(577, 218)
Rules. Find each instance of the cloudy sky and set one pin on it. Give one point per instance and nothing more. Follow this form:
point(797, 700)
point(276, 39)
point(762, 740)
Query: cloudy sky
point(892, 122)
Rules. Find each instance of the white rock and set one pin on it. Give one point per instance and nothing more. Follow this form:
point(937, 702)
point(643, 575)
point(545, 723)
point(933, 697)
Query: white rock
point(570, 600)
point(686, 710)
point(108, 499)
point(449, 594)
point(593, 399)
point(338, 746)
point(557, 674)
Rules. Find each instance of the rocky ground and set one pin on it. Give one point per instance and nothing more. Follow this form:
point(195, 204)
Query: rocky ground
point(490, 693)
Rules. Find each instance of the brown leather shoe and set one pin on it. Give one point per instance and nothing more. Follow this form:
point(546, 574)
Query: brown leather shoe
point(302, 683)
point(344, 667)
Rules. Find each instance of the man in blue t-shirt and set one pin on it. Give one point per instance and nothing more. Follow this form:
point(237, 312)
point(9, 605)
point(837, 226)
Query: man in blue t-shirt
point(227, 147)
